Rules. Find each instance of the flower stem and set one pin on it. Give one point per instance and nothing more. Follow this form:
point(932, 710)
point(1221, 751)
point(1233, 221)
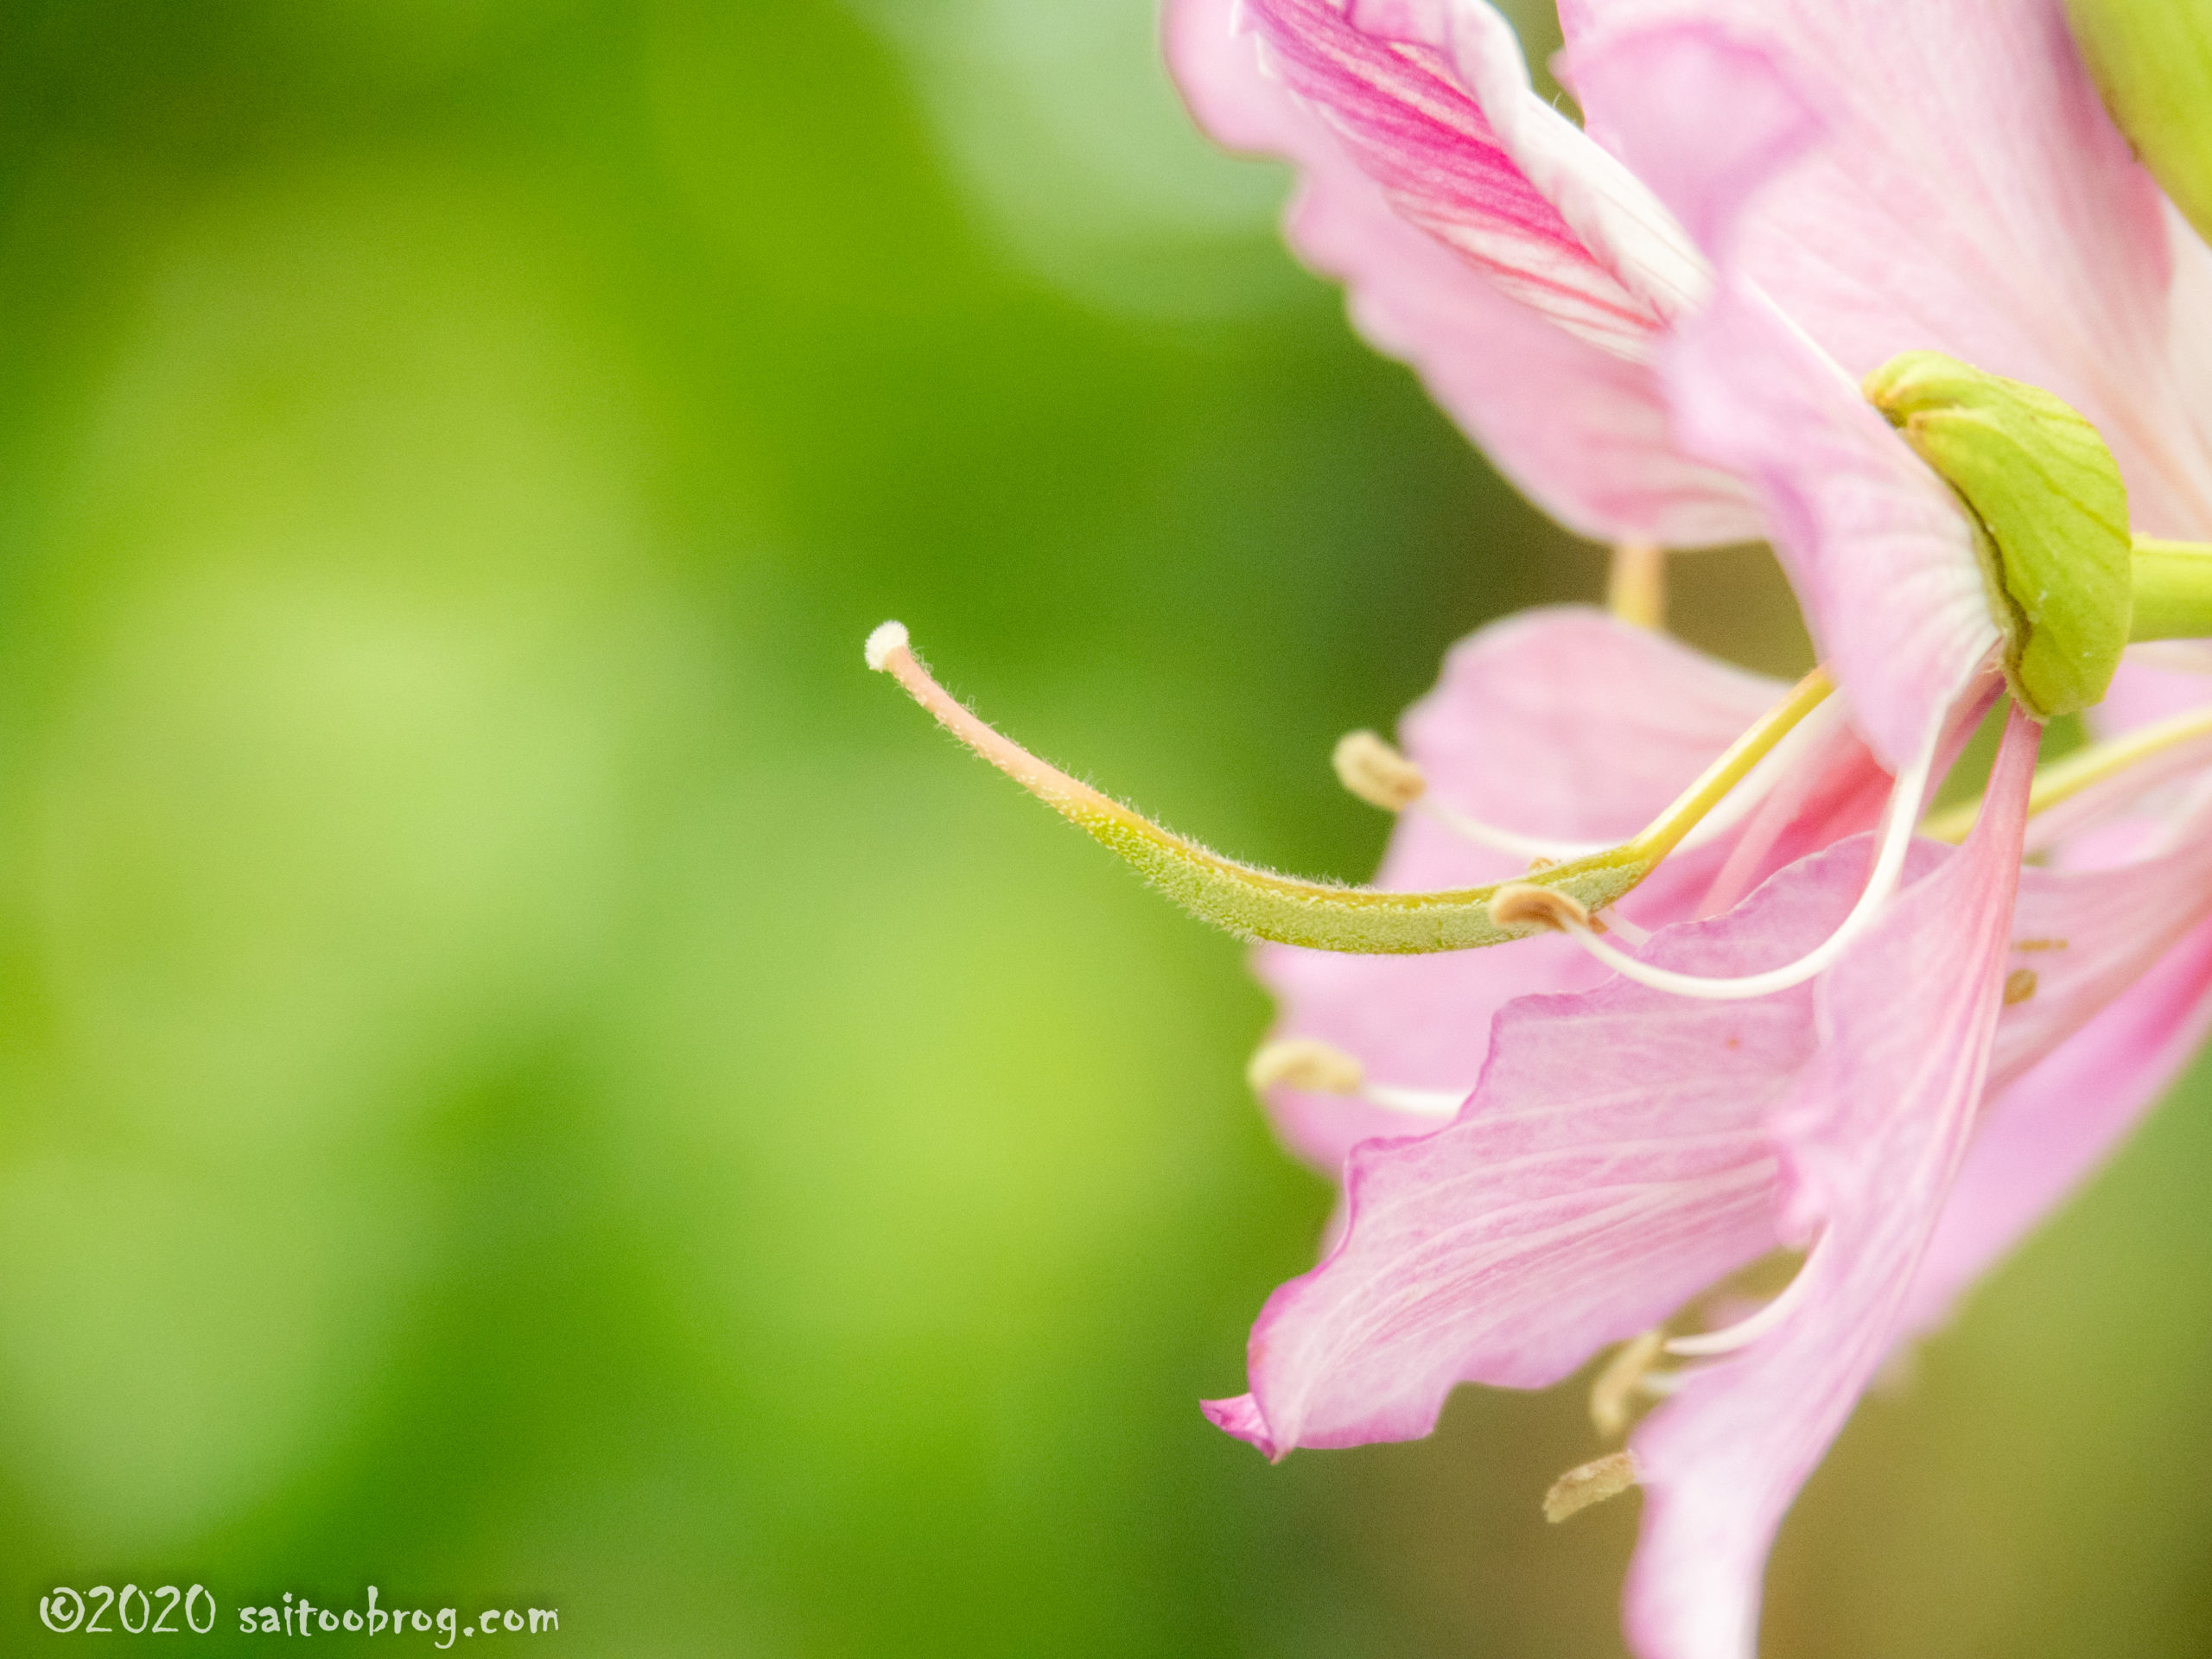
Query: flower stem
point(2173, 590)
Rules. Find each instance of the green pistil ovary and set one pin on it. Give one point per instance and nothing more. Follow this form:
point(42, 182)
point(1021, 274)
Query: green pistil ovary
point(2048, 511)
point(1260, 905)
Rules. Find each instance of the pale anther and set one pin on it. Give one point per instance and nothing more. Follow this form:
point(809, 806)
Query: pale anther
point(1594, 1482)
point(2020, 986)
point(1311, 1066)
point(1521, 904)
point(1306, 1064)
point(1622, 1380)
point(1378, 773)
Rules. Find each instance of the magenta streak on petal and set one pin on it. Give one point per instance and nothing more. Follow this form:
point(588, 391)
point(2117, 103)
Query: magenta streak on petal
point(1580, 429)
point(2040, 1138)
point(1414, 129)
point(1559, 722)
point(1874, 1131)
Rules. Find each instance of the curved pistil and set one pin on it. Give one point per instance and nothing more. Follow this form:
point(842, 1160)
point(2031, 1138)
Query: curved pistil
point(1259, 904)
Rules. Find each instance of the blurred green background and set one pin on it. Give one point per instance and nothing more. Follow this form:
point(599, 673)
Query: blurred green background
point(533, 1079)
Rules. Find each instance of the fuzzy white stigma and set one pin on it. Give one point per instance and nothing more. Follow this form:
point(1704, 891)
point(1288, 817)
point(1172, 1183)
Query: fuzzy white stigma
point(889, 638)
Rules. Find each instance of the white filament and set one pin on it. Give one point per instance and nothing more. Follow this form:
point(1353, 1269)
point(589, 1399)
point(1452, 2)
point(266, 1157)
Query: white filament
point(1510, 842)
point(1418, 1103)
point(1898, 819)
point(1747, 1330)
point(1732, 809)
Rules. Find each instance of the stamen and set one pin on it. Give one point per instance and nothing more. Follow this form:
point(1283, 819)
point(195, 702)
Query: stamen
point(1635, 586)
point(1304, 1064)
point(1622, 1380)
point(1380, 774)
point(1523, 904)
point(1594, 1482)
point(1377, 771)
point(1894, 839)
point(1315, 1067)
point(1258, 904)
point(1745, 1331)
point(2020, 986)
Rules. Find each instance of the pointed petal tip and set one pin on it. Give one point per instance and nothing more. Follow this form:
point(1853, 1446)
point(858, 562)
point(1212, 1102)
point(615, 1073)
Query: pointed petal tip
point(1243, 1418)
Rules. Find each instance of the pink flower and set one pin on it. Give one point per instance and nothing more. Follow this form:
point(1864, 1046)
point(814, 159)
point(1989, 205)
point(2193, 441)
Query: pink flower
point(1657, 329)
point(1887, 1053)
point(1906, 1116)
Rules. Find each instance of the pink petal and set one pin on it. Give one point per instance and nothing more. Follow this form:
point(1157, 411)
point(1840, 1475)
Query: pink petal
point(1875, 1130)
point(1613, 1161)
point(2085, 937)
point(2043, 1136)
point(2121, 991)
point(1837, 790)
point(1877, 547)
point(1559, 722)
point(1564, 722)
point(1578, 428)
point(2144, 690)
point(1967, 194)
point(2188, 348)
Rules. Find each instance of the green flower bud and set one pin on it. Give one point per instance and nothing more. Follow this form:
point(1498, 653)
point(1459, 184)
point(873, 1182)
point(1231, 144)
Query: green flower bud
point(2152, 62)
point(2050, 514)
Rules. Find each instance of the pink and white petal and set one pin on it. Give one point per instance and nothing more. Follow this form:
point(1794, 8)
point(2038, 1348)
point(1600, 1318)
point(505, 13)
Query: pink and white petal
point(2043, 1136)
point(1875, 544)
point(1580, 429)
point(1613, 1161)
point(1411, 123)
point(1967, 194)
point(1874, 1131)
point(1614, 216)
point(1560, 723)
